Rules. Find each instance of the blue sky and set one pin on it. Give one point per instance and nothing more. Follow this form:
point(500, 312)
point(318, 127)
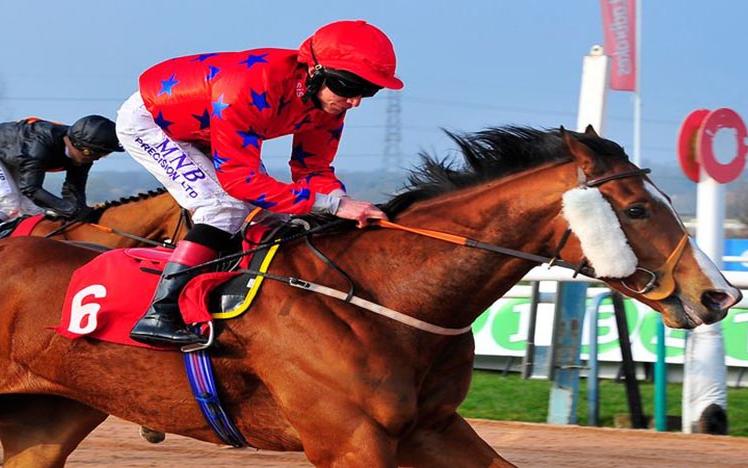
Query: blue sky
point(466, 65)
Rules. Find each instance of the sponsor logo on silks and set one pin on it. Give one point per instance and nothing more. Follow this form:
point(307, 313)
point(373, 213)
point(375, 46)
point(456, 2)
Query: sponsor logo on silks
point(175, 163)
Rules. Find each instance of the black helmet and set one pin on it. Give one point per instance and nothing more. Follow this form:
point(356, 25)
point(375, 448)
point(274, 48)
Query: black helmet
point(95, 133)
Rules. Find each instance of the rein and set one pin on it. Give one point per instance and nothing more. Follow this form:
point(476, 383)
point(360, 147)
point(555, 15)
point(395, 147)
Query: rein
point(468, 242)
point(62, 228)
point(108, 230)
point(651, 290)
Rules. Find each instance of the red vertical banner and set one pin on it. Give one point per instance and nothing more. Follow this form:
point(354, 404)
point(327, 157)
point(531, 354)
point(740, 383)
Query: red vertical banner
point(619, 25)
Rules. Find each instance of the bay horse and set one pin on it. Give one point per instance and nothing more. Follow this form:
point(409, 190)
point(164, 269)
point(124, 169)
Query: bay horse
point(348, 387)
point(153, 215)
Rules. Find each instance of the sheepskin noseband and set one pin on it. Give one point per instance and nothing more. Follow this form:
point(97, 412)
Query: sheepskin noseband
point(604, 244)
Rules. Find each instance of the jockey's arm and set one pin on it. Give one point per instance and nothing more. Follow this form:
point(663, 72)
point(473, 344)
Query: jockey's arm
point(311, 159)
point(30, 182)
point(236, 157)
point(312, 155)
point(74, 187)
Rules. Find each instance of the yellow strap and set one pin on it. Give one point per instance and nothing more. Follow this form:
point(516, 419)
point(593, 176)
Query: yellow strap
point(241, 308)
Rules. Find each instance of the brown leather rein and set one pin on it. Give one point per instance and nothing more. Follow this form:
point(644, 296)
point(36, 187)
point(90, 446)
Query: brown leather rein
point(653, 289)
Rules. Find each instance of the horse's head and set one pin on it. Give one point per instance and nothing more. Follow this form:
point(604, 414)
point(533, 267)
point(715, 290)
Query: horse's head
point(627, 229)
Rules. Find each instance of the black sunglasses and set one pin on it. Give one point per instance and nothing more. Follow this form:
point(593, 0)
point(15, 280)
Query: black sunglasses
point(348, 85)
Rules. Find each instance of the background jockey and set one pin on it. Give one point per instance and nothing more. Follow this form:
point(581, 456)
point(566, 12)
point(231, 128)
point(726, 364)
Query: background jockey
point(197, 124)
point(31, 147)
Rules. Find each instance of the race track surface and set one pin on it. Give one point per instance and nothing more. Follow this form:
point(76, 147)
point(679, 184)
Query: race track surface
point(116, 443)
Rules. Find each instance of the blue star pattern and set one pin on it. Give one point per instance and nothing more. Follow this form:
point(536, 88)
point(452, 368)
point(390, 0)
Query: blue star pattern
point(260, 100)
point(219, 106)
point(204, 57)
point(204, 119)
point(262, 203)
point(251, 176)
point(252, 59)
point(218, 161)
point(305, 120)
point(166, 85)
point(336, 132)
point(161, 121)
point(298, 154)
point(301, 195)
point(212, 72)
point(250, 138)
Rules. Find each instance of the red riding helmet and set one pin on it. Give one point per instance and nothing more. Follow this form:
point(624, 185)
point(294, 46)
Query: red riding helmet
point(356, 47)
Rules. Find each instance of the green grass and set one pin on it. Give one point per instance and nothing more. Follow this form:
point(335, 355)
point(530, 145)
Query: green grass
point(509, 398)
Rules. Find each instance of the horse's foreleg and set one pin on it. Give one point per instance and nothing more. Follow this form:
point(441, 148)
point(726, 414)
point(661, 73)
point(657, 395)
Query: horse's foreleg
point(42, 430)
point(341, 436)
point(453, 444)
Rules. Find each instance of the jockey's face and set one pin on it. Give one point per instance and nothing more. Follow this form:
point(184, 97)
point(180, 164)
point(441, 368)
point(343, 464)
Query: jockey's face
point(81, 156)
point(334, 104)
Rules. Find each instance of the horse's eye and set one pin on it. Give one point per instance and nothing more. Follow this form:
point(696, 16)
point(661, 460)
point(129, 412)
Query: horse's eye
point(636, 212)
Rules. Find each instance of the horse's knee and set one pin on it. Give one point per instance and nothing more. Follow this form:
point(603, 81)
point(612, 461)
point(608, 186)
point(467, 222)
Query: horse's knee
point(41, 456)
point(366, 445)
point(43, 430)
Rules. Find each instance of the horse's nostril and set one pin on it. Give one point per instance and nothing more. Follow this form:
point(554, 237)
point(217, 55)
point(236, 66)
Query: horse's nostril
point(716, 300)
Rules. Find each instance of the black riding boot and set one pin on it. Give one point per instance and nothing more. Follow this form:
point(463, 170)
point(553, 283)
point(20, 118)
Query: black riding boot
point(162, 324)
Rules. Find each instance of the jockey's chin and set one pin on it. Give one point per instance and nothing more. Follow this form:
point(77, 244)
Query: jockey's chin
point(334, 104)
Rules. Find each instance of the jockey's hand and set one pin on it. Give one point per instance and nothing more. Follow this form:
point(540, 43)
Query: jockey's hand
point(52, 215)
point(87, 214)
point(359, 211)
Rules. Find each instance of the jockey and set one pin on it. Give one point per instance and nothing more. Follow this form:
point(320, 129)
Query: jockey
point(198, 123)
point(31, 147)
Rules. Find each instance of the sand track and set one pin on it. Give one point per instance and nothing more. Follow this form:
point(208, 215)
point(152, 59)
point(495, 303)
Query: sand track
point(116, 443)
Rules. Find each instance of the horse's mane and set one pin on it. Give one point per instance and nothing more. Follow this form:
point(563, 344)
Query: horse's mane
point(133, 198)
point(490, 154)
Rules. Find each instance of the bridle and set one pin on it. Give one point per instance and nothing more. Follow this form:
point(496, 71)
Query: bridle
point(660, 284)
point(652, 290)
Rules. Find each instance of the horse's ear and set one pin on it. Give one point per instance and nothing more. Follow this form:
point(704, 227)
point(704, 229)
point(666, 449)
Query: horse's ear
point(581, 153)
point(590, 131)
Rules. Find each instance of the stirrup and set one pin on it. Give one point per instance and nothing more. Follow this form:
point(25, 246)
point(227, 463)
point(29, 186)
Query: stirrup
point(190, 348)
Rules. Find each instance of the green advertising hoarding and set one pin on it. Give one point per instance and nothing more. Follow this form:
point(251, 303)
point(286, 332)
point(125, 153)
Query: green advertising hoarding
point(502, 331)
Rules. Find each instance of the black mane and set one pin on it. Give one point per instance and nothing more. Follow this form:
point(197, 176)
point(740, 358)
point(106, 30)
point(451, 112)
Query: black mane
point(133, 198)
point(490, 154)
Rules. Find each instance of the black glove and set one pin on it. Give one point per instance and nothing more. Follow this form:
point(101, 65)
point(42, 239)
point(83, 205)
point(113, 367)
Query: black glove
point(87, 214)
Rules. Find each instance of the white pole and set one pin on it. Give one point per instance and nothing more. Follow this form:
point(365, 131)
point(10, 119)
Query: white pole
point(637, 88)
point(592, 95)
point(704, 370)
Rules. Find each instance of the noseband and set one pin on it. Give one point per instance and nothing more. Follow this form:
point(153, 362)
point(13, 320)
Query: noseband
point(660, 284)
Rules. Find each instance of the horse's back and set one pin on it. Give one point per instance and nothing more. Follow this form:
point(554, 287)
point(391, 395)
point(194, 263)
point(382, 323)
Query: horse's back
point(20, 253)
point(35, 273)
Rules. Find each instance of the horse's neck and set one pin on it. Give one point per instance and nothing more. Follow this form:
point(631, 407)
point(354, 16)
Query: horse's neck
point(451, 285)
point(149, 217)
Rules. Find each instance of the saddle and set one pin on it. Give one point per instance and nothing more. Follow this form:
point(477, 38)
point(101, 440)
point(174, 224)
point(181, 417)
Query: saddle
point(109, 294)
point(20, 226)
